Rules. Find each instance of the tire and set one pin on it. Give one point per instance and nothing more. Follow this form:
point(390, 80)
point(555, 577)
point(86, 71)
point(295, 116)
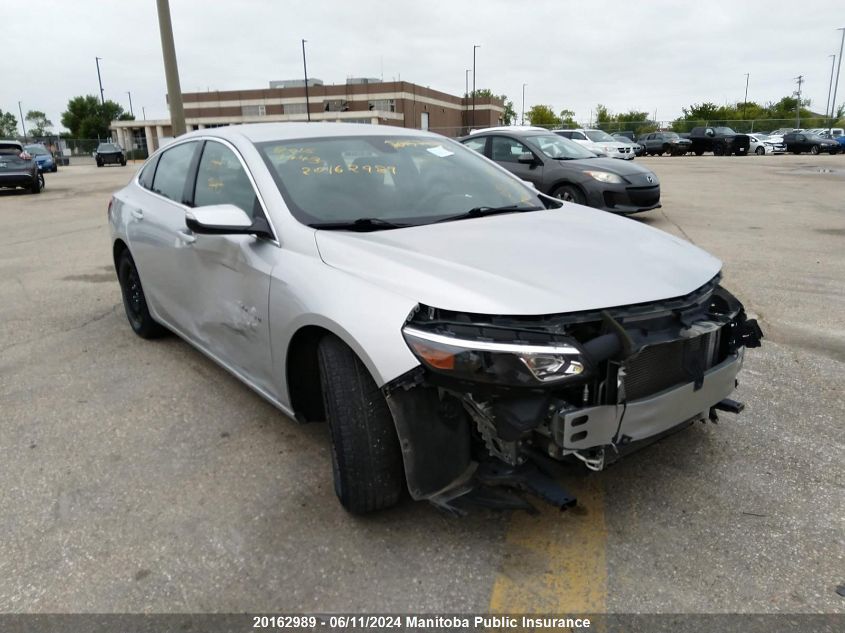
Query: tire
point(760, 151)
point(134, 300)
point(366, 459)
point(55, 168)
point(718, 150)
point(667, 150)
point(99, 164)
point(123, 163)
point(38, 184)
point(814, 150)
point(699, 152)
point(569, 193)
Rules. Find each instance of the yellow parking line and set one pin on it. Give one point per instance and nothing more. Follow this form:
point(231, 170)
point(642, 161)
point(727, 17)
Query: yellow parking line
point(556, 563)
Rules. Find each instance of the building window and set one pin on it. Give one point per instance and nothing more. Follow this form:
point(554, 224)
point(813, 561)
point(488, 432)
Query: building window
point(335, 105)
point(254, 110)
point(295, 108)
point(385, 105)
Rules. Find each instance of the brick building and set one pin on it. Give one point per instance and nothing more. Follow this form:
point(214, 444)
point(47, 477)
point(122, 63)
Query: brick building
point(361, 100)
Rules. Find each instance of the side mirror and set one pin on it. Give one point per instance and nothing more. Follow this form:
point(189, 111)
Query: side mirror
point(527, 158)
point(225, 219)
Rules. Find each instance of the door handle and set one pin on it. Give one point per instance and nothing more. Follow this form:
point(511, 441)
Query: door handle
point(137, 214)
point(187, 238)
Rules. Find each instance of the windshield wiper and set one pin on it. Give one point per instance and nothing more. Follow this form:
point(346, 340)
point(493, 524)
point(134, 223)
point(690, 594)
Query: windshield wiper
point(360, 224)
point(479, 212)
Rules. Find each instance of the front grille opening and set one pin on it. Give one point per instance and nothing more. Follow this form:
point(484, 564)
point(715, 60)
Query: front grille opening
point(668, 365)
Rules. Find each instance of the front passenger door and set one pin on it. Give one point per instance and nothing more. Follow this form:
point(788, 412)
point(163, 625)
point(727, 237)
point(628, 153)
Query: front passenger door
point(507, 151)
point(228, 276)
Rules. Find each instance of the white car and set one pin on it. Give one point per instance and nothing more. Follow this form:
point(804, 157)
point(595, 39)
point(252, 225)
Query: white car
point(761, 144)
point(600, 142)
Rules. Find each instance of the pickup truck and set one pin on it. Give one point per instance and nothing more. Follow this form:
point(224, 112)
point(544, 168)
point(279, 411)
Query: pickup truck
point(722, 141)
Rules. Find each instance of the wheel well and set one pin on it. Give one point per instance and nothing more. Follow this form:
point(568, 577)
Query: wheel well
point(303, 374)
point(117, 250)
point(566, 183)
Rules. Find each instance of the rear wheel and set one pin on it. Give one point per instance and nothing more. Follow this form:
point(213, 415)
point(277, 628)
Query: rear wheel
point(37, 184)
point(668, 150)
point(366, 458)
point(760, 151)
point(569, 193)
point(719, 150)
point(699, 152)
point(134, 300)
point(814, 150)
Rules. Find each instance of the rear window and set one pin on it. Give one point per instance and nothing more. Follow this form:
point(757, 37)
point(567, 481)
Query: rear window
point(107, 147)
point(10, 148)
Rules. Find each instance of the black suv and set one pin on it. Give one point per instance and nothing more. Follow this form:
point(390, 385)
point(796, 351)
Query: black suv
point(797, 142)
point(109, 154)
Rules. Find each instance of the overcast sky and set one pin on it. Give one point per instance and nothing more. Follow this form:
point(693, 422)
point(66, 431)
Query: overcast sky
point(648, 55)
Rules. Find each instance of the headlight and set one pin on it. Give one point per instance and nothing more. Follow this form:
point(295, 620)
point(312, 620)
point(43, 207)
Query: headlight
point(513, 364)
point(605, 176)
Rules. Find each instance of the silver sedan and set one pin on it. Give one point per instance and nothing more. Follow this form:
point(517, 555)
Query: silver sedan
point(453, 326)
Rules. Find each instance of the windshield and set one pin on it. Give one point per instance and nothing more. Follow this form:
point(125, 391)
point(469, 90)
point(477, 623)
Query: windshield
point(724, 130)
point(761, 137)
point(555, 146)
point(399, 179)
point(107, 147)
point(37, 150)
point(597, 136)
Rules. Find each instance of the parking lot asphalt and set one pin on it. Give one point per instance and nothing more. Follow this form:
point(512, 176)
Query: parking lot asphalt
point(139, 476)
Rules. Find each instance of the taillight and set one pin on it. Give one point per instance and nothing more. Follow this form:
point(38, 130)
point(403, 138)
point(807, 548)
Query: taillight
point(26, 156)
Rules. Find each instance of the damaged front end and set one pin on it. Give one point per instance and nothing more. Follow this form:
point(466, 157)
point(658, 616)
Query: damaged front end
point(496, 397)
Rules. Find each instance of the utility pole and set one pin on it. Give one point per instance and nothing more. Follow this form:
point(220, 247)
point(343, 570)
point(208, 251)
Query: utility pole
point(836, 84)
point(131, 111)
point(475, 46)
point(523, 103)
point(800, 80)
point(99, 79)
point(144, 112)
point(829, 88)
point(171, 69)
point(305, 69)
point(745, 102)
point(23, 125)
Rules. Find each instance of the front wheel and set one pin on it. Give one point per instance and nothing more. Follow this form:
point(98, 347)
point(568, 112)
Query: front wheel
point(569, 193)
point(760, 151)
point(134, 300)
point(366, 459)
point(667, 150)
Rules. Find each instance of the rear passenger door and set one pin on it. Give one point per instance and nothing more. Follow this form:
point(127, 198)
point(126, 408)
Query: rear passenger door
point(157, 232)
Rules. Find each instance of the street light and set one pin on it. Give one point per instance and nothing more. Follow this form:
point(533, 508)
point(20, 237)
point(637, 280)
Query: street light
point(100, 80)
point(473, 82)
point(466, 82)
point(745, 102)
point(305, 68)
point(838, 68)
point(131, 111)
point(829, 86)
point(523, 103)
point(23, 125)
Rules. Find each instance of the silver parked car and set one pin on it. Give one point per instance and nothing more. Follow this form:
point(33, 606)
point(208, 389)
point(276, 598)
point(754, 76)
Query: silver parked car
point(454, 326)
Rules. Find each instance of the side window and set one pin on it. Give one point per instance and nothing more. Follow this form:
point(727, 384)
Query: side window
point(146, 177)
point(172, 171)
point(579, 136)
point(477, 144)
point(221, 179)
point(506, 150)
point(565, 134)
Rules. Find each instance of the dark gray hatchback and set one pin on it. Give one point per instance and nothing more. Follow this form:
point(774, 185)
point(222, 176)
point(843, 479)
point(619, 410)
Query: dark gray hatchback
point(561, 168)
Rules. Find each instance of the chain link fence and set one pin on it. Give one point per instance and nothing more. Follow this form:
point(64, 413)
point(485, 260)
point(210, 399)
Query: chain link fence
point(78, 151)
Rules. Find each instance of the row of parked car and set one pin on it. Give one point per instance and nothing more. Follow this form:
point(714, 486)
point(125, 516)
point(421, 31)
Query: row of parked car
point(724, 141)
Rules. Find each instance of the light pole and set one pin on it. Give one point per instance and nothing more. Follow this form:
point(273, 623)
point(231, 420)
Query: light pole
point(838, 68)
point(305, 69)
point(829, 88)
point(171, 69)
point(800, 80)
point(23, 125)
point(475, 46)
point(144, 112)
point(745, 102)
point(523, 103)
point(466, 82)
point(100, 80)
point(131, 111)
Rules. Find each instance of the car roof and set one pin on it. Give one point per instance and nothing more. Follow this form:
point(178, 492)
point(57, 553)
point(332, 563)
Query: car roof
point(11, 142)
point(261, 132)
point(510, 128)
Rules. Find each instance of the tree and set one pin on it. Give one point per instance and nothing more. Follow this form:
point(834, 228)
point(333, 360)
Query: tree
point(509, 115)
point(542, 115)
point(39, 124)
point(8, 125)
point(567, 118)
point(86, 117)
point(602, 115)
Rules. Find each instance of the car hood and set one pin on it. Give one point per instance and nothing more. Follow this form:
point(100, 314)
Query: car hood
point(626, 168)
point(543, 262)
